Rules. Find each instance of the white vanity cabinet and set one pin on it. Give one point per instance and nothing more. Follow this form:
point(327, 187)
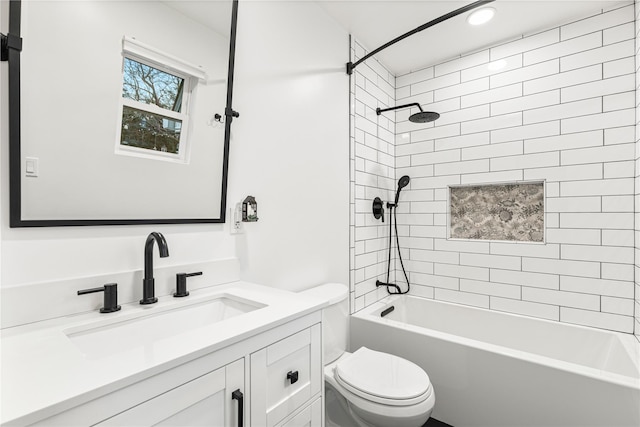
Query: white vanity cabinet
point(214, 399)
point(198, 390)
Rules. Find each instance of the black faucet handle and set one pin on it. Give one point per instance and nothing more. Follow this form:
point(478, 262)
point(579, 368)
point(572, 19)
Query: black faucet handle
point(110, 290)
point(181, 283)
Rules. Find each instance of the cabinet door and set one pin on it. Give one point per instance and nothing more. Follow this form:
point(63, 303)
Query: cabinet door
point(285, 376)
point(204, 401)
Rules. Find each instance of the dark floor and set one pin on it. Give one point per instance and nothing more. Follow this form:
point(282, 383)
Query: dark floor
point(432, 422)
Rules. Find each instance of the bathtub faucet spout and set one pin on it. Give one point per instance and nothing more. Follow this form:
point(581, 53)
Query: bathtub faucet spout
point(396, 287)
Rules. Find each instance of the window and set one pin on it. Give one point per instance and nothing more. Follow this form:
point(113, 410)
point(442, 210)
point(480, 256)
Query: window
point(156, 90)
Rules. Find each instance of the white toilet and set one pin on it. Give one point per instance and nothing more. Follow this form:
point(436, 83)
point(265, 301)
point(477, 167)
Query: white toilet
point(367, 388)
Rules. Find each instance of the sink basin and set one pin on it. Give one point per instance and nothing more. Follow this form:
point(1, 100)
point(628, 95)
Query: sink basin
point(147, 331)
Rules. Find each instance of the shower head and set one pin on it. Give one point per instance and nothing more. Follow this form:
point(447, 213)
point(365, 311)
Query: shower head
point(424, 117)
point(419, 117)
point(402, 182)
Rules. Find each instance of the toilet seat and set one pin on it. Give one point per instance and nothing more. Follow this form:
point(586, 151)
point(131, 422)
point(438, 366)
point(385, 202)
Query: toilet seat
point(383, 378)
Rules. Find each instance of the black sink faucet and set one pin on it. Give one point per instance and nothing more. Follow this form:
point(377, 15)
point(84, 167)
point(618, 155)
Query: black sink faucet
point(148, 282)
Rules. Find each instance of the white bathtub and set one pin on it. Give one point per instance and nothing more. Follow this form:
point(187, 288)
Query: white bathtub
point(498, 369)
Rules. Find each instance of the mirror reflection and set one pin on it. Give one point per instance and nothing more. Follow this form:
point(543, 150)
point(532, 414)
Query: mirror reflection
point(150, 87)
point(118, 100)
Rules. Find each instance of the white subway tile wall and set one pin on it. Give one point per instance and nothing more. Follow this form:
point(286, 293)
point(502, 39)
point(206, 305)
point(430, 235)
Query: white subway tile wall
point(620, 69)
point(561, 110)
point(554, 114)
point(373, 150)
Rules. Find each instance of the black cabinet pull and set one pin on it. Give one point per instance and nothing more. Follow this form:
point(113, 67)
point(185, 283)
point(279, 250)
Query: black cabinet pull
point(237, 395)
point(292, 376)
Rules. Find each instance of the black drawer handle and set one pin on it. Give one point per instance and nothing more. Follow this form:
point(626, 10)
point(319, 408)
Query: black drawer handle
point(292, 376)
point(237, 395)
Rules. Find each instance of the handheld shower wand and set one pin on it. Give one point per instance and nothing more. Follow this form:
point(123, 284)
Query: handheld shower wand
point(402, 182)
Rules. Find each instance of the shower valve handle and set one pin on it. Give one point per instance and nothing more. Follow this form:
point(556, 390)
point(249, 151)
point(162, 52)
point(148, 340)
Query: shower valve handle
point(378, 210)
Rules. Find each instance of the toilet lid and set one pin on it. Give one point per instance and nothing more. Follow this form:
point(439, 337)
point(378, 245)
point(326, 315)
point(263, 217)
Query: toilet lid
point(382, 375)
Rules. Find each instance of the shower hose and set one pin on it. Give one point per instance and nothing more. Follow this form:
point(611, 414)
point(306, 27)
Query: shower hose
point(394, 220)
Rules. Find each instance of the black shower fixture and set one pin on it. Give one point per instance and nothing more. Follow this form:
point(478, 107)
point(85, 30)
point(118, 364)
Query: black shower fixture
point(352, 65)
point(420, 117)
point(393, 288)
point(402, 182)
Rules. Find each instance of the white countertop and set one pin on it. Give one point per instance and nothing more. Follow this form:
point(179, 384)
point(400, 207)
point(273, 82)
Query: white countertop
point(43, 372)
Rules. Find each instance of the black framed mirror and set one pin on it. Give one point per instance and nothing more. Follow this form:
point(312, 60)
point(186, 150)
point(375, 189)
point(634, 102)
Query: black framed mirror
point(119, 112)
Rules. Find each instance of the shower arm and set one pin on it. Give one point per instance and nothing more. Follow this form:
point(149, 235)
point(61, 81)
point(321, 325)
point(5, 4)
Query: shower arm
point(382, 110)
point(352, 65)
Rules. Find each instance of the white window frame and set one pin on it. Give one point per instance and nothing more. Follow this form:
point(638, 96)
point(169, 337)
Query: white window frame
point(147, 55)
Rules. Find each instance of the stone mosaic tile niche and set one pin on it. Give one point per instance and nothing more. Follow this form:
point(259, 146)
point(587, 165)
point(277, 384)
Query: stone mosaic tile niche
point(513, 212)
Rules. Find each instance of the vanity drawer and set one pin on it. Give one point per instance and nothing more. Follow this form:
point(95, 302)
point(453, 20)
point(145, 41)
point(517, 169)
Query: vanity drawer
point(311, 416)
point(285, 376)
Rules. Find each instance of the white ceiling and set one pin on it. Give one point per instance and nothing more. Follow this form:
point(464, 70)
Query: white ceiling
point(375, 22)
point(215, 14)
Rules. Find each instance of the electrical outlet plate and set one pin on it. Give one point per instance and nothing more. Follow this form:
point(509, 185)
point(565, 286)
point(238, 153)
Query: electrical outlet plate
point(235, 216)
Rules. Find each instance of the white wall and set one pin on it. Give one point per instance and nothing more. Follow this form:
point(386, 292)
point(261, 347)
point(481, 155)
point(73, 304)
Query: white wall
point(290, 146)
point(289, 149)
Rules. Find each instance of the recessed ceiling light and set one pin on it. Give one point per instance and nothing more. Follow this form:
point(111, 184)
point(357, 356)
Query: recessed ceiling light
point(481, 16)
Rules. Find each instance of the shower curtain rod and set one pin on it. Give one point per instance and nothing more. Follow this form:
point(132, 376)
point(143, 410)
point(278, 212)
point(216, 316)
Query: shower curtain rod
point(352, 65)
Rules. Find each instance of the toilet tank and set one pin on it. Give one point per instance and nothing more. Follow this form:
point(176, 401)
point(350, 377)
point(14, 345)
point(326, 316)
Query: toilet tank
point(335, 318)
